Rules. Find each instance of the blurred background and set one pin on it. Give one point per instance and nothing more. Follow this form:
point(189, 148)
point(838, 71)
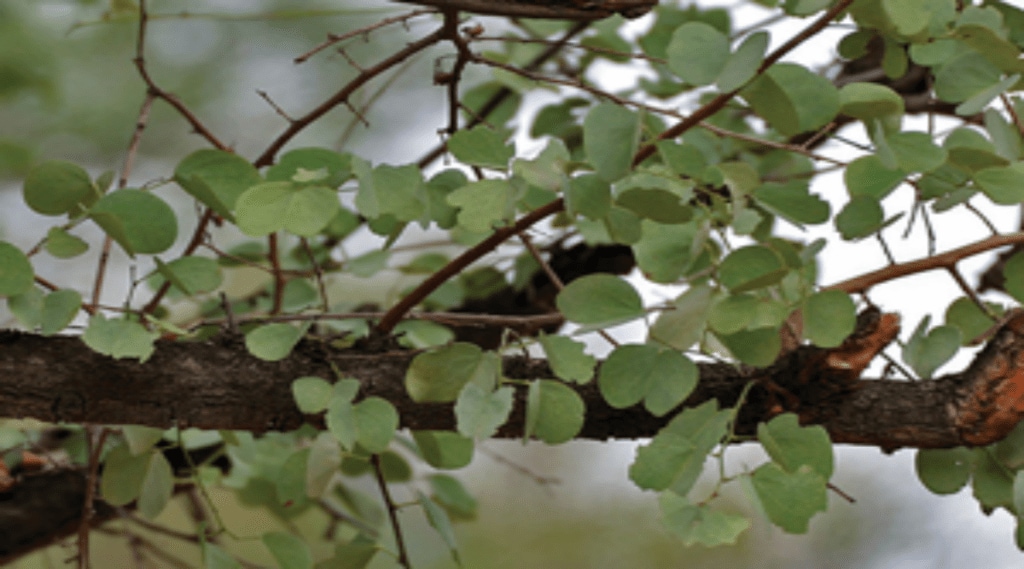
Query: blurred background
point(69, 90)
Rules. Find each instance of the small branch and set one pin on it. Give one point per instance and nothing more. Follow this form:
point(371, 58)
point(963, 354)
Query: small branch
point(455, 319)
point(94, 447)
point(940, 261)
point(363, 31)
point(403, 556)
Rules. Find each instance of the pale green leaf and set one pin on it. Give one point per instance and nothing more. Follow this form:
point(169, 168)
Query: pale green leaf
point(479, 412)
point(943, 471)
point(311, 394)
point(64, 245)
point(567, 358)
point(611, 134)
point(554, 412)
point(829, 317)
point(273, 342)
point(119, 338)
point(138, 221)
point(157, 486)
point(697, 53)
point(793, 446)
point(290, 552)
point(444, 449)
point(790, 498)
point(599, 300)
point(481, 146)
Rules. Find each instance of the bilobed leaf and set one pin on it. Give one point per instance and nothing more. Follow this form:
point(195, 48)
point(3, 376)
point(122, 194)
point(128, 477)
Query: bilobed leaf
point(63, 245)
point(123, 474)
point(272, 206)
point(909, 16)
point(599, 300)
point(376, 421)
point(790, 498)
point(665, 251)
point(216, 178)
point(972, 322)
point(273, 342)
point(119, 338)
point(829, 317)
point(675, 456)
point(751, 267)
point(398, 191)
point(484, 205)
point(682, 326)
point(943, 471)
point(554, 412)
point(56, 187)
point(659, 377)
point(191, 274)
point(444, 449)
point(794, 202)
point(567, 358)
point(867, 176)
point(138, 221)
point(479, 412)
point(700, 524)
point(927, 351)
point(157, 486)
point(757, 347)
point(289, 551)
point(481, 146)
point(438, 519)
point(867, 101)
point(792, 98)
point(1003, 185)
point(320, 166)
point(697, 53)
point(793, 446)
point(744, 62)
point(438, 376)
point(311, 394)
point(16, 274)
point(611, 134)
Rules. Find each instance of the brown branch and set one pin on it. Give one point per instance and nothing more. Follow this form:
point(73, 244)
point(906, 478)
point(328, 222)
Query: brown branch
point(300, 123)
point(363, 31)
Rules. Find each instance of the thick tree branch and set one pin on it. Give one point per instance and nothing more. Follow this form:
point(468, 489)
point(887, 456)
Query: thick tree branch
point(218, 385)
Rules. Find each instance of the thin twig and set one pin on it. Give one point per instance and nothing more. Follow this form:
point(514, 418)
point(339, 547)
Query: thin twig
point(275, 264)
point(378, 471)
point(363, 31)
point(94, 448)
point(318, 272)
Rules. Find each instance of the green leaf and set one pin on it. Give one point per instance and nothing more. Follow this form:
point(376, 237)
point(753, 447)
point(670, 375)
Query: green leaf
point(943, 471)
point(567, 358)
point(438, 376)
point(119, 338)
point(376, 421)
point(683, 325)
point(744, 62)
point(27, 307)
point(611, 134)
point(867, 176)
point(319, 166)
point(56, 187)
point(790, 498)
point(311, 394)
point(589, 196)
point(665, 252)
point(451, 494)
point(599, 300)
point(991, 481)
point(273, 342)
point(634, 372)
point(700, 524)
point(323, 463)
point(438, 519)
point(861, 216)
point(977, 102)
point(123, 474)
point(751, 267)
point(138, 221)
point(157, 486)
point(1018, 492)
point(793, 446)
point(675, 456)
point(698, 53)
point(141, 439)
point(341, 422)
point(655, 204)
point(792, 98)
point(757, 347)
point(479, 412)
point(925, 353)
point(16, 274)
point(356, 554)
point(272, 206)
point(866, 101)
point(964, 315)
point(1003, 185)
point(554, 412)
point(290, 551)
point(484, 205)
point(794, 202)
point(444, 449)
point(829, 317)
point(916, 151)
point(216, 178)
point(216, 558)
point(191, 274)
point(63, 245)
point(1013, 273)
point(964, 76)
point(481, 146)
